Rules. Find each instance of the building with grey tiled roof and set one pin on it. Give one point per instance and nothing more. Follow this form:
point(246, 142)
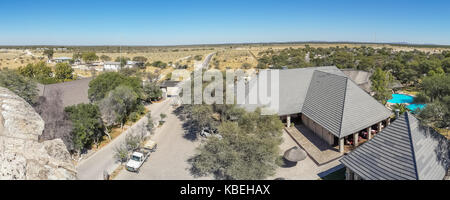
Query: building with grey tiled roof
point(405, 150)
point(326, 100)
point(72, 92)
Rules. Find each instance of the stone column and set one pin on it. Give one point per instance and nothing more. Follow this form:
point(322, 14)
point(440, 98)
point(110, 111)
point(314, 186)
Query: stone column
point(355, 139)
point(379, 127)
point(288, 121)
point(341, 145)
point(369, 133)
point(388, 122)
point(356, 177)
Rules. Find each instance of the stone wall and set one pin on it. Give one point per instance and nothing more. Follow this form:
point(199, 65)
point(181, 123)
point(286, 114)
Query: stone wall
point(22, 157)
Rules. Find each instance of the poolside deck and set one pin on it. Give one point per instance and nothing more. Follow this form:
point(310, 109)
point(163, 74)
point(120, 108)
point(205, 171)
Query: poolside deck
point(316, 148)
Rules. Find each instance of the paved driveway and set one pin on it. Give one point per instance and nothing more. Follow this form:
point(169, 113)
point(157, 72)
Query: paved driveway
point(169, 162)
point(92, 168)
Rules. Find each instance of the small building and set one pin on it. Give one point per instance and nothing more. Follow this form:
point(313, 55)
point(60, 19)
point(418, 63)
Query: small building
point(131, 64)
point(62, 60)
point(405, 150)
point(111, 66)
point(170, 88)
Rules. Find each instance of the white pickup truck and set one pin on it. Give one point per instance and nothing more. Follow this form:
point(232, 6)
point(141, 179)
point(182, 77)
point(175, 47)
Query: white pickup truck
point(138, 157)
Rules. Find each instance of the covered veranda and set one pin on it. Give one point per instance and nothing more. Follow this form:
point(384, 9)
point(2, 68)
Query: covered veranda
point(319, 146)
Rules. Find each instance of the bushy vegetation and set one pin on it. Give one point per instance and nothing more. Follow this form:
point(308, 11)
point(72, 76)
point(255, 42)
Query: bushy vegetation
point(106, 82)
point(87, 125)
point(247, 149)
point(435, 91)
point(20, 85)
point(406, 66)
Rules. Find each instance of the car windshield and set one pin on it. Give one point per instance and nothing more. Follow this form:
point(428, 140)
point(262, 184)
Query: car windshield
point(135, 158)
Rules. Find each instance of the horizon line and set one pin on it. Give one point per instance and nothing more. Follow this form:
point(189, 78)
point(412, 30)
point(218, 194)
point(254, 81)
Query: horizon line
point(232, 43)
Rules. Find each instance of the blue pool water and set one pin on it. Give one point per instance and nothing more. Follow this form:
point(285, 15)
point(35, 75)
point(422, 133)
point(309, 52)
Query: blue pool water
point(403, 98)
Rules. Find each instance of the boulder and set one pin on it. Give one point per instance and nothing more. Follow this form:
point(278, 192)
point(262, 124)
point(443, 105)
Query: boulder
point(22, 157)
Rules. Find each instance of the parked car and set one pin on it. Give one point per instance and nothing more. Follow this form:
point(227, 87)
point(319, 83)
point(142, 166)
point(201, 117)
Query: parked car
point(208, 132)
point(138, 157)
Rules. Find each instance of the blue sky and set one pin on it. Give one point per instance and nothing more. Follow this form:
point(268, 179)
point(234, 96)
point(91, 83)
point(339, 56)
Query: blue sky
point(113, 22)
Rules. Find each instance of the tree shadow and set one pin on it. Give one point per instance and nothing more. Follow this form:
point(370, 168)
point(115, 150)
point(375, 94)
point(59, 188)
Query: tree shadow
point(190, 126)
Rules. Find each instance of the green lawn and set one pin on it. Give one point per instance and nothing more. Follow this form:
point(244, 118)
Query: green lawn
point(337, 175)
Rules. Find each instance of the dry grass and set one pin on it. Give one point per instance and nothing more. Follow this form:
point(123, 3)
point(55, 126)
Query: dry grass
point(232, 59)
point(232, 56)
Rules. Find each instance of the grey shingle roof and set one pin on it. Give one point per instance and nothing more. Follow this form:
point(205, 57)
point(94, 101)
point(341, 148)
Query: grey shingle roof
point(294, 84)
point(329, 97)
point(405, 150)
point(325, 100)
point(72, 92)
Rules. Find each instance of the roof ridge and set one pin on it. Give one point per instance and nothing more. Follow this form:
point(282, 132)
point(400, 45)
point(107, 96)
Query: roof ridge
point(343, 106)
point(411, 143)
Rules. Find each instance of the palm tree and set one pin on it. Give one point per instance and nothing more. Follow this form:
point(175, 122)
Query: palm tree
point(402, 107)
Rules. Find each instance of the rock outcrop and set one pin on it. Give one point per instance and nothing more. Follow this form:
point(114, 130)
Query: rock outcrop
point(22, 157)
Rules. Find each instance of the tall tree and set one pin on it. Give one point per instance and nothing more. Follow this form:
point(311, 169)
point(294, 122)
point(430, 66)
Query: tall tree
point(381, 81)
point(49, 53)
point(118, 105)
point(241, 153)
point(63, 72)
point(104, 83)
point(89, 57)
point(87, 125)
point(152, 92)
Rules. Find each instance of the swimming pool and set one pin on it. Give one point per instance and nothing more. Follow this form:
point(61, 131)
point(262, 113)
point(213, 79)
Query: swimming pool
point(403, 98)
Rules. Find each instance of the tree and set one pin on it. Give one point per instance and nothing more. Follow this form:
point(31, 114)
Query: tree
point(23, 87)
point(105, 58)
point(121, 153)
point(401, 107)
point(118, 105)
point(77, 56)
point(241, 153)
point(36, 71)
point(49, 53)
point(141, 59)
point(123, 61)
point(87, 125)
point(163, 116)
point(436, 114)
point(198, 57)
point(57, 122)
point(381, 81)
point(436, 87)
point(89, 57)
point(63, 72)
point(246, 66)
point(159, 64)
point(201, 116)
point(150, 124)
point(152, 92)
point(104, 83)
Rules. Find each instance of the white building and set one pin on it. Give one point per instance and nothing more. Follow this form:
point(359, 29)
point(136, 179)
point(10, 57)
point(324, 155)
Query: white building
point(111, 66)
point(61, 60)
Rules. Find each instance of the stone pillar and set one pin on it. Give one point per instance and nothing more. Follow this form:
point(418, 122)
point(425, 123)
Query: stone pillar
point(355, 139)
point(379, 126)
point(356, 177)
point(388, 122)
point(348, 174)
point(288, 121)
point(369, 133)
point(341, 145)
